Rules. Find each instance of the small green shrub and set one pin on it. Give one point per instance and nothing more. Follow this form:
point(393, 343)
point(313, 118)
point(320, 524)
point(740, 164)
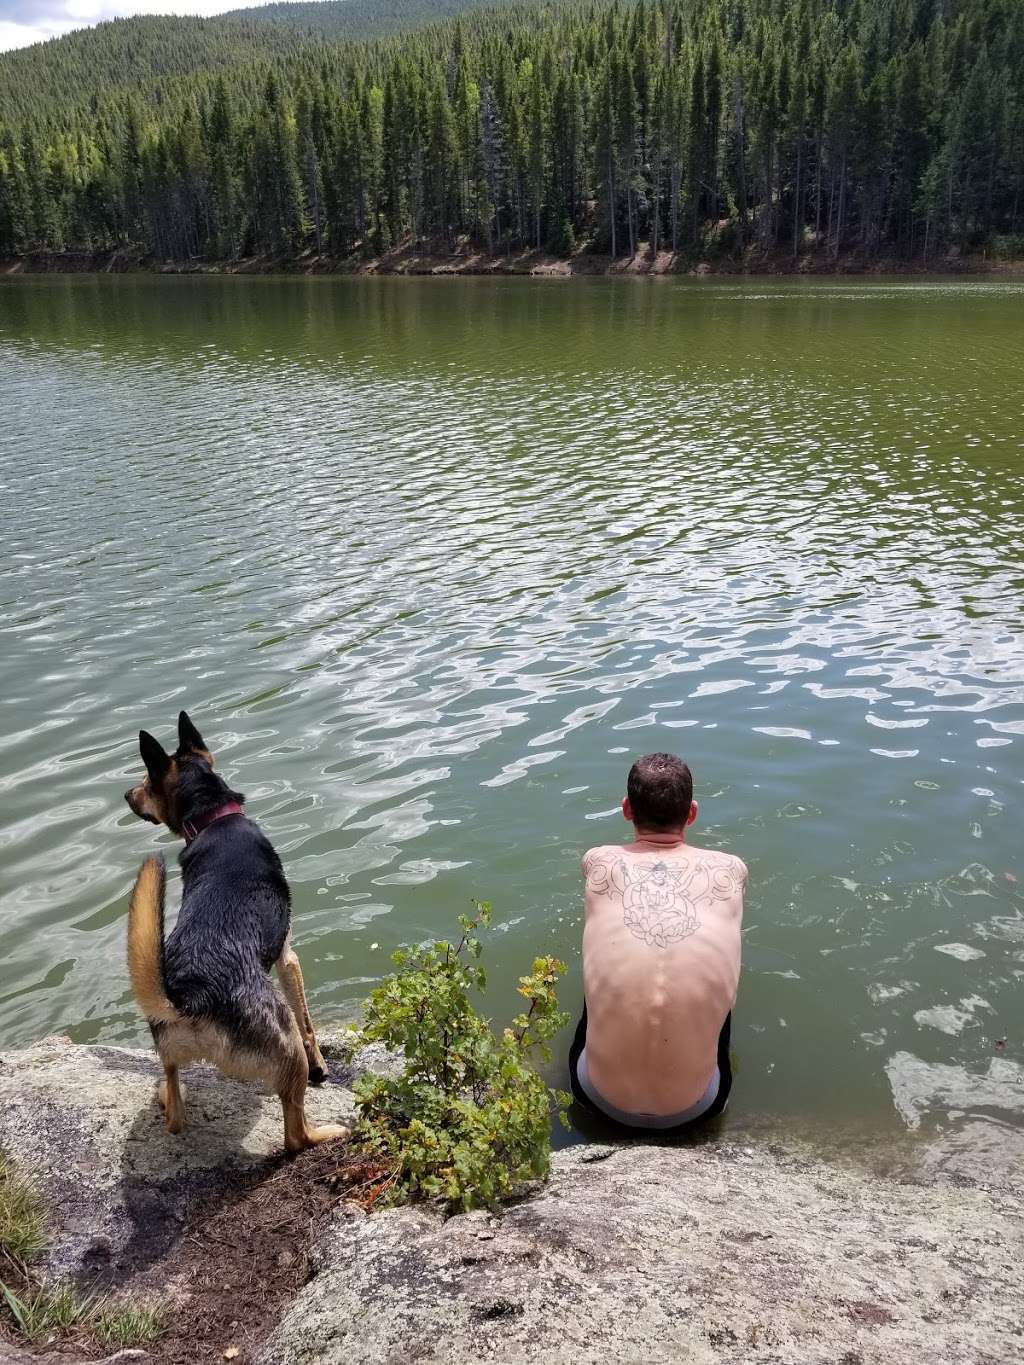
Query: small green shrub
point(22, 1235)
point(1008, 247)
point(469, 1119)
point(719, 241)
point(42, 1312)
point(563, 240)
point(119, 1325)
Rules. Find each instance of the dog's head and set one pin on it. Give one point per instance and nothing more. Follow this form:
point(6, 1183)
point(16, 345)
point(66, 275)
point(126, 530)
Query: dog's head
point(154, 798)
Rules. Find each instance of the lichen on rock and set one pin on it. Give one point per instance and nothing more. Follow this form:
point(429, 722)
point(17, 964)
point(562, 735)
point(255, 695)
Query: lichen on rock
point(661, 1255)
point(697, 1253)
point(83, 1121)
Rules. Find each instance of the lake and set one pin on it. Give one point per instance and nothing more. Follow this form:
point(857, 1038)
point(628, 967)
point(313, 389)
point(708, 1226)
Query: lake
point(431, 561)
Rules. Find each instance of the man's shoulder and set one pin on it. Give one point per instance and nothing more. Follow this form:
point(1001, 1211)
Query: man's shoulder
point(737, 867)
point(599, 853)
point(618, 855)
point(720, 858)
point(602, 849)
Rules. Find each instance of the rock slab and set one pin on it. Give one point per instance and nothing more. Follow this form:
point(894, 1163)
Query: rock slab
point(702, 1253)
point(642, 1255)
point(84, 1123)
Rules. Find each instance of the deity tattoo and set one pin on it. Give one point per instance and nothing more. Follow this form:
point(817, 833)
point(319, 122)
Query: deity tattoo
point(660, 900)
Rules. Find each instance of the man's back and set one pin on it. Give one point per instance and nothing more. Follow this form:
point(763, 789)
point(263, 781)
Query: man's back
point(661, 963)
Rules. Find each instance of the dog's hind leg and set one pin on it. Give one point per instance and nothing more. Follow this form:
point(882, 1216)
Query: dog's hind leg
point(170, 1093)
point(292, 1091)
point(290, 974)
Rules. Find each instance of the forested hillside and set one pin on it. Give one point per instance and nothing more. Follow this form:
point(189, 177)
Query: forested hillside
point(359, 18)
point(145, 52)
point(52, 81)
point(881, 127)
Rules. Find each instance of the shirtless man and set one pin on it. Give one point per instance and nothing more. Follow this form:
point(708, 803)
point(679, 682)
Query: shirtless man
point(661, 962)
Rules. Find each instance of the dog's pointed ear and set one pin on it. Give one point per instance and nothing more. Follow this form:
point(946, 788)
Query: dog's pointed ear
point(190, 741)
point(157, 761)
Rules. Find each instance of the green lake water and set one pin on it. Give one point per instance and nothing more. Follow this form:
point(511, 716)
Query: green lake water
point(431, 561)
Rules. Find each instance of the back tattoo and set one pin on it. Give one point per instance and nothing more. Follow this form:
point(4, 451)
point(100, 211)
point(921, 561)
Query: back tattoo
point(660, 900)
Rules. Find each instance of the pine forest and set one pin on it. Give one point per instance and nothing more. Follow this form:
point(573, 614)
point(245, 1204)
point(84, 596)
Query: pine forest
point(889, 129)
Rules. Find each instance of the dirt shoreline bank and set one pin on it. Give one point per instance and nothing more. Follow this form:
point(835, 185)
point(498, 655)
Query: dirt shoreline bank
point(532, 264)
point(716, 1252)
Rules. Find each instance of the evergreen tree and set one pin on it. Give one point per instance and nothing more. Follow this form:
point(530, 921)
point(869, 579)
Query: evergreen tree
point(877, 126)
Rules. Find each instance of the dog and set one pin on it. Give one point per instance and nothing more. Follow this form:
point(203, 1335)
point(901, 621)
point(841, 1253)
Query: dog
point(206, 991)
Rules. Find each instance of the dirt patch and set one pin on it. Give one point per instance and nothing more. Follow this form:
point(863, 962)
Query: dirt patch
point(241, 1258)
point(871, 1314)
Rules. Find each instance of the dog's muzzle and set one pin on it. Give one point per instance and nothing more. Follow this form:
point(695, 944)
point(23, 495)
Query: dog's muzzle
point(135, 810)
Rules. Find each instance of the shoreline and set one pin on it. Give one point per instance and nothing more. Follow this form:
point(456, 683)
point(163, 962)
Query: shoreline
point(410, 261)
point(714, 1251)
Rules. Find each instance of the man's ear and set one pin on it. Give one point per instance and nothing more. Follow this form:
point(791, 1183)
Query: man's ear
point(190, 741)
point(693, 813)
point(627, 809)
point(155, 758)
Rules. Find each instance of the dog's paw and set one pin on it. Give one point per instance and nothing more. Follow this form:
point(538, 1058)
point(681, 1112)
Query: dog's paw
point(330, 1132)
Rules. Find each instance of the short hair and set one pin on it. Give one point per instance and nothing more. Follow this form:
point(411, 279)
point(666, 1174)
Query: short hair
point(660, 791)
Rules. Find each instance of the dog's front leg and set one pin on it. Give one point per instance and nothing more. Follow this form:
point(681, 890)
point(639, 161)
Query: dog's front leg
point(291, 1087)
point(290, 975)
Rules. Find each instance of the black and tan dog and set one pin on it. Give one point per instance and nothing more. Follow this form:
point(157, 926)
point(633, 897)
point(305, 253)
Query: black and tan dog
point(206, 991)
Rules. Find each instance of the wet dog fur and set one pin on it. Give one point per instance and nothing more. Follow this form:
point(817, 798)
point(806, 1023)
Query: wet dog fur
point(206, 990)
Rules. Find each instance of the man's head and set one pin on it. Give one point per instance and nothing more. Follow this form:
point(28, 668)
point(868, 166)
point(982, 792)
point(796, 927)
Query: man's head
point(659, 795)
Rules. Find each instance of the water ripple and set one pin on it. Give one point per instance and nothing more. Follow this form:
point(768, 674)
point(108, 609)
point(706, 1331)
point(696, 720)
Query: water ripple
point(429, 562)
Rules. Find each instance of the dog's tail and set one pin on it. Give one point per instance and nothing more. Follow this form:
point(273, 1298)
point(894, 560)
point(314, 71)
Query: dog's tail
point(146, 942)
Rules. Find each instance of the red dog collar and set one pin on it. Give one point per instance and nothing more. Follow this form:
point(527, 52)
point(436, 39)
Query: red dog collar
point(193, 828)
